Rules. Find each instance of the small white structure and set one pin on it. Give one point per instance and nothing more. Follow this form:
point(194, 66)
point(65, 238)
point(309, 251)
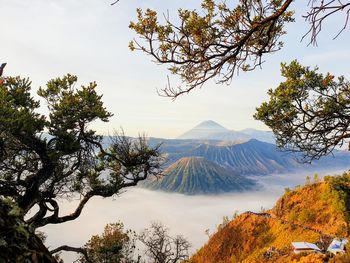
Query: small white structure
point(337, 246)
point(299, 247)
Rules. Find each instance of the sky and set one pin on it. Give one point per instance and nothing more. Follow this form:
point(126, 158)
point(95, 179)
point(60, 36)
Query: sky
point(44, 39)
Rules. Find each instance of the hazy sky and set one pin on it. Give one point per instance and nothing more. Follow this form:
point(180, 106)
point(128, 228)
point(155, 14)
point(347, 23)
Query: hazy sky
point(43, 39)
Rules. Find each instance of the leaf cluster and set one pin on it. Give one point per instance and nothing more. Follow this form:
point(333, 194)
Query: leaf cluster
point(114, 245)
point(308, 112)
point(18, 243)
point(44, 158)
point(216, 42)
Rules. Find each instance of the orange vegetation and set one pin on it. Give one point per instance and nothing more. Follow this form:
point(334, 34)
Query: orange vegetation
point(316, 206)
point(314, 213)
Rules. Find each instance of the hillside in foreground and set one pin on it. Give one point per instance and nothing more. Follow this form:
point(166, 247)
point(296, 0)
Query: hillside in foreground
point(315, 213)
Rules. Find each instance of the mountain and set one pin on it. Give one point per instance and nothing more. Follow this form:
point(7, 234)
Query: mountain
point(211, 130)
point(203, 130)
point(315, 213)
point(264, 136)
point(248, 158)
point(252, 157)
point(197, 175)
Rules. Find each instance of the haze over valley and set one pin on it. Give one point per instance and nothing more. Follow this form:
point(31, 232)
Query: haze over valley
point(213, 159)
point(205, 178)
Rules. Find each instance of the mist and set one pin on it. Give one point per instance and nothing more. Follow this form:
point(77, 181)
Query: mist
point(182, 214)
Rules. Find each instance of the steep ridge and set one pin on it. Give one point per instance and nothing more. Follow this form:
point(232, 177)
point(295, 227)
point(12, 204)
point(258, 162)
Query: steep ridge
point(196, 175)
point(314, 213)
point(252, 157)
point(249, 158)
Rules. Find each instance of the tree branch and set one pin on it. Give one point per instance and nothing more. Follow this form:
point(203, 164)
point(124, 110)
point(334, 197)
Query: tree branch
point(72, 249)
point(218, 44)
point(55, 219)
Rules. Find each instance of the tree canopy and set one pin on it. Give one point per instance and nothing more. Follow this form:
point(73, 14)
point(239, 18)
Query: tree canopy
point(114, 245)
point(221, 39)
point(18, 243)
point(118, 245)
point(45, 158)
point(309, 112)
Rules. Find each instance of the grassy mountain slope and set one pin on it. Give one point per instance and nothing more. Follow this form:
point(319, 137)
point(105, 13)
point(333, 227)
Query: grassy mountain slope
point(196, 175)
point(313, 213)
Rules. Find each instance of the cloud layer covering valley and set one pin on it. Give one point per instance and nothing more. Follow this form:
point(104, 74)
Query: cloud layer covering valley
point(183, 214)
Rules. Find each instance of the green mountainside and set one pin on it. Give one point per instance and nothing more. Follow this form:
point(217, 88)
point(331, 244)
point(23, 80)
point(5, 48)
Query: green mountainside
point(197, 175)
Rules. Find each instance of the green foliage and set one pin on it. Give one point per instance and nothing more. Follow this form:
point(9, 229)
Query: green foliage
point(113, 246)
point(287, 190)
point(213, 42)
point(18, 243)
point(48, 157)
point(341, 193)
point(306, 216)
point(293, 217)
point(308, 112)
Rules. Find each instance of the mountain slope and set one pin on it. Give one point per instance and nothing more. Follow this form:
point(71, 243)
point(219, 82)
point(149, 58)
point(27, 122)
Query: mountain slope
point(249, 158)
point(196, 175)
point(252, 157)
point(314, 213)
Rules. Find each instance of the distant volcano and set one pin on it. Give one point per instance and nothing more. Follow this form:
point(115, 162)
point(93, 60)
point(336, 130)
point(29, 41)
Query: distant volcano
point(210, 130)
point(197, 175)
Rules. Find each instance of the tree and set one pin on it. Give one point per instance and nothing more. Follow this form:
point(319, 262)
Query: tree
point(115, 245)
point(225, 40)
point(161, 247)
point(309, 112)
point(18, 243)
point(45, 158)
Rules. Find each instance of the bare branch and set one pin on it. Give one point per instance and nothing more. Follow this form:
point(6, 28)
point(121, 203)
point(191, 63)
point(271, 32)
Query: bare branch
point(115, 2)
point(319, 12)
point(2, 68)
point(72, 249)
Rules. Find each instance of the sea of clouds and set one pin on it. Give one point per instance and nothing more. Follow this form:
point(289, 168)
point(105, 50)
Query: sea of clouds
point(182, 214)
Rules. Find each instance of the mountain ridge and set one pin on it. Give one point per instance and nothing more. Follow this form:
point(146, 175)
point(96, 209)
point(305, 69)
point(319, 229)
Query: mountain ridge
point(212, 130)
point(247, 158)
